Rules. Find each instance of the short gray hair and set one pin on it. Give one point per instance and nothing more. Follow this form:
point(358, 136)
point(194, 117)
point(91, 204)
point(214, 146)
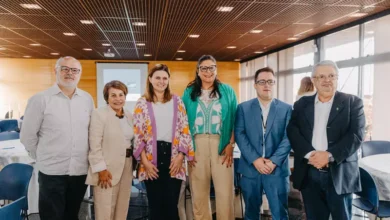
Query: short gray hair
point(58, 63)
point(325, 63)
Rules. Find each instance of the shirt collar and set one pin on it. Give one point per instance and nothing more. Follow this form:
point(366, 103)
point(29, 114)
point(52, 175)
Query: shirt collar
point(55, 89)
point(316, 100)
point(262, 106)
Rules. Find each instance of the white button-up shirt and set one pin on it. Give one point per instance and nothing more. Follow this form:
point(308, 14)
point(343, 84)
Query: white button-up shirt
point(321, 116)
point(55, 131)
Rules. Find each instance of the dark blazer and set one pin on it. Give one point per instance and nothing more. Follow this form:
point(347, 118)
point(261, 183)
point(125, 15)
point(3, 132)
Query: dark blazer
point(248, 133)
point(345, 132)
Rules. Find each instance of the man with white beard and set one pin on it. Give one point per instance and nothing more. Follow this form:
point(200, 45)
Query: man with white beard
point(55, 133)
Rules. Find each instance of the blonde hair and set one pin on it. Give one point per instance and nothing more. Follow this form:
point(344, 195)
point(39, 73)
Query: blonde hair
point(306, 86)
point(149, 93)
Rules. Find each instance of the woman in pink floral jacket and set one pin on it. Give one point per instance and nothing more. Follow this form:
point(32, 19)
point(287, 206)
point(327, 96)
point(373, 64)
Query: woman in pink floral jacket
point(162, 140)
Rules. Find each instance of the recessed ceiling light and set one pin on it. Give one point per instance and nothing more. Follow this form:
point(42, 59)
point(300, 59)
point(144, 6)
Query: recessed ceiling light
point(181, 51)
point(86, 21)
point(193, 35)
point(259, 52)
point(30, 6)
point(237, 60)
point(35, 45)
point(256, 31)
point(357, 15)
point(69, 34)
point(292, 38)
point(147, 55)
point(87, 49)
point(106, 45)
point(140, 44)
point(2, 48)
point(224, 9)
point(370, 32)
point(54, 54)
point(231, 47)
point(139, 23)
point(26, 56)
point(179, 58)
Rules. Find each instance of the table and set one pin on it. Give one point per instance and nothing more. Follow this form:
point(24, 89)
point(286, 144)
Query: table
point(13, 151)
point(379, 168)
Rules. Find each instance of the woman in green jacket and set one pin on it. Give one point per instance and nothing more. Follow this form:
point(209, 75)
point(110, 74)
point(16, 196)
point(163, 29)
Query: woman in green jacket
point(211, 107)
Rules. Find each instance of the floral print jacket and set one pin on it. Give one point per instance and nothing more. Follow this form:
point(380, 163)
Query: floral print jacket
point(145, 136)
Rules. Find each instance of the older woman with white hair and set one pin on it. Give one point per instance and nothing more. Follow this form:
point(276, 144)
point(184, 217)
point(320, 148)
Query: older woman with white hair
point(55, 132)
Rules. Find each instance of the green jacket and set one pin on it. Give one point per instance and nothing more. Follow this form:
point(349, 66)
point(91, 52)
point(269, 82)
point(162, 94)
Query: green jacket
point(229, 106)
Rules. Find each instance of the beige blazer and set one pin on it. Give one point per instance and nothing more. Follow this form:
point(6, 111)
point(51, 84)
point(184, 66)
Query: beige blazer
point(107, 146)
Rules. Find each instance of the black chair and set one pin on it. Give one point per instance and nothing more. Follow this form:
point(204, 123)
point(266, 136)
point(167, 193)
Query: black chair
point(9, 114)
point(375, 147)
point(368, 200)
point(140, 199)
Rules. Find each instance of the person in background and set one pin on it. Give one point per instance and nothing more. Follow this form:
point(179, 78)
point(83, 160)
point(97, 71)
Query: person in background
point(162, 140)
point(260, 132)
point(326, 131)
point(55, 133)
point(110, 155)
point(306, 88)
point(211, 107)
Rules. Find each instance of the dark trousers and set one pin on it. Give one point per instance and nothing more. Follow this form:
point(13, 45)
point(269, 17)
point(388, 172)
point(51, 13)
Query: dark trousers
point(163, 193)
point(321, 200)
point(60, 196)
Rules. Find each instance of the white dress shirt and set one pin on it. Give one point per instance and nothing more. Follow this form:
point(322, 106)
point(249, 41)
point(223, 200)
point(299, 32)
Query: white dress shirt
point(163, 113)
point(127, 129)
point(55, 131)
point(265, 111)
point(321, 116)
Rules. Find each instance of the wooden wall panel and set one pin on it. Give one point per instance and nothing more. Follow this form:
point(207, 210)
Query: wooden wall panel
point(22, 78)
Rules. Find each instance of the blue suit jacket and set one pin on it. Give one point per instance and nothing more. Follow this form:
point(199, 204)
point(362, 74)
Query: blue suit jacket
point(248, 133)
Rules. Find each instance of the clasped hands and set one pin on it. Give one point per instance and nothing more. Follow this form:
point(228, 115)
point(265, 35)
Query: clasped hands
point(264, 166)
point(319, 159)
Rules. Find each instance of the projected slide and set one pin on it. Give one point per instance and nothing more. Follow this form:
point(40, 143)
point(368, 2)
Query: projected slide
point(130, 77)
point(133, 75)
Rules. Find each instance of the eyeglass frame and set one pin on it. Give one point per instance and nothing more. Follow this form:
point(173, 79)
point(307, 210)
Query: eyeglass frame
point(208, 68)
point(270, 82)
point(70, 70)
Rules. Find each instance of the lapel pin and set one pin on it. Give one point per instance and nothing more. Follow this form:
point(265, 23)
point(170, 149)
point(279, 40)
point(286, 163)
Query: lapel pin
point(337, 108)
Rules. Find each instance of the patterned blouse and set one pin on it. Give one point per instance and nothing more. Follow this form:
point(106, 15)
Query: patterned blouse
point(208, 114)
point(145, 135)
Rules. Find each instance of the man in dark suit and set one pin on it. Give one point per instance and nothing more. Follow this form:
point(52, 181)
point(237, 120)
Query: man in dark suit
point(260, 133)
point(325, 132)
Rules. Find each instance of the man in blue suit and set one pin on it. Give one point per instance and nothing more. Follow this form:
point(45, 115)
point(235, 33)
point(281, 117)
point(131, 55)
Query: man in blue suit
point(260, 133)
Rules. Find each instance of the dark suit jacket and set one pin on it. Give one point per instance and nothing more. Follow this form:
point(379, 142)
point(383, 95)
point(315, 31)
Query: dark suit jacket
point(345, 132)
point(248, 133)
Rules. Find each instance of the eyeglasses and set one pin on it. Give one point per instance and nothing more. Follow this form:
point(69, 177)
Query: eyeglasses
point(66, 70)
point(323, 77)
point(211, 68)
point(262, 82)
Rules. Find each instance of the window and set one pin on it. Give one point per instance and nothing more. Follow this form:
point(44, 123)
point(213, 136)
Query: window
point(368, 95)
point(348, 81)
point(342, 45)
